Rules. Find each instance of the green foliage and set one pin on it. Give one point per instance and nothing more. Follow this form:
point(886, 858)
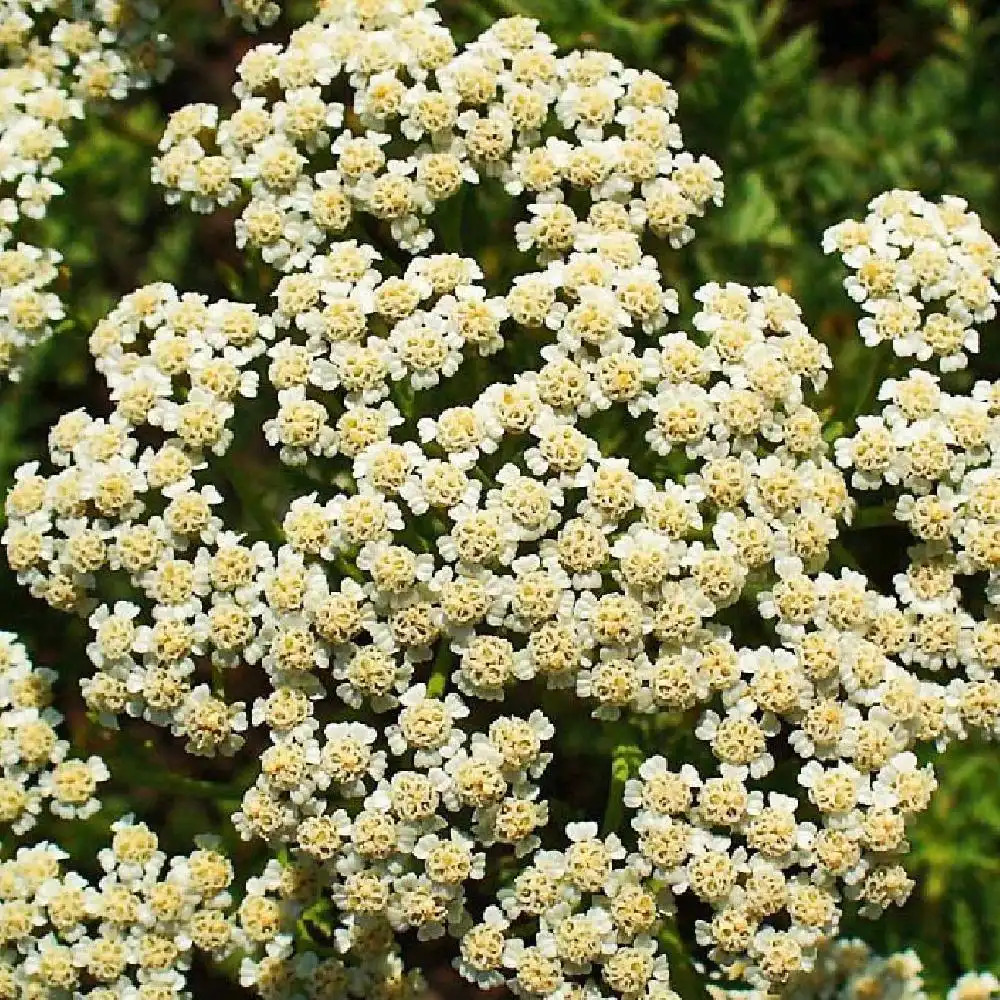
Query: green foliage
point(955, 914)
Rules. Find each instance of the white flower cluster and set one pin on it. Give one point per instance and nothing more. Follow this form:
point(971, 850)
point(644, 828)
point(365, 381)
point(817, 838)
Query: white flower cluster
point(59, 59)
point(253, 14)
point(926, 273)
point(34, 762)
point(424, 121)
point(934, 455)
point(604, 511)
point(848, 970)
point(129, 935)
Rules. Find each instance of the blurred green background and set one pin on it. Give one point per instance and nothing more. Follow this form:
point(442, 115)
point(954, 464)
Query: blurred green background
point(811, 108)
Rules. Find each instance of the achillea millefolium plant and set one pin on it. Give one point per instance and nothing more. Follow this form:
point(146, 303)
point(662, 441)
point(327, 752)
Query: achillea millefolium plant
point(507, 608)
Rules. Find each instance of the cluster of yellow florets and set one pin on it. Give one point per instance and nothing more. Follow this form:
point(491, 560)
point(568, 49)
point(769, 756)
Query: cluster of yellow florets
point(59, 59)
point(34, 758)
point(587, 525)
point(253, 14)
point(131, 933)
point(848, 970)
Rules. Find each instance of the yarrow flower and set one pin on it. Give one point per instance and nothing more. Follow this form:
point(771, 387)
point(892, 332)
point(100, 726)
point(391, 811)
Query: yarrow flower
point(35, 761)
point(488, 504)
point(60, 60)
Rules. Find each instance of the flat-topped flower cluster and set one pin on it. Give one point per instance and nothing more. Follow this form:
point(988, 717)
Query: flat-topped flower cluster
point(34, 758)
point(59, 60)
point(848, 970)
point(493, 501)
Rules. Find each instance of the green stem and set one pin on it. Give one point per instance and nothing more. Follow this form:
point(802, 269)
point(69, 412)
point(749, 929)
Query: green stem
point(877, 369)
point(625, 761)
point(316, 918)
point(686, 980)
point(219, 680)
point(347, 568)
point(405, 398)
point(437, 683)
point(483, 476)
point(145, 773)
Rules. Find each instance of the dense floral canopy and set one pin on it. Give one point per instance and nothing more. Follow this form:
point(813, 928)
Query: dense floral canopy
point(504, 499)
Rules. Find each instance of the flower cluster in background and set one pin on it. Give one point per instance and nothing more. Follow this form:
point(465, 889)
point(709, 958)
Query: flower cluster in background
point(59, 59)
point(131, 932)
point(36, 765)
point(253, 14)
point(847, 970)
point(487, 502)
